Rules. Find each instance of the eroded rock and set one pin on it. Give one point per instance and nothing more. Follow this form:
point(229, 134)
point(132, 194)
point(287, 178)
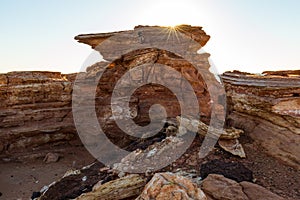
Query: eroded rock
point(254, 192)
point(267, 107)
point(201, 128)
point(51, 157)
point(169, 186)
point(232, 146)
point(123, 188)
point(218, 187)
point(221, 188)
point(35, 110)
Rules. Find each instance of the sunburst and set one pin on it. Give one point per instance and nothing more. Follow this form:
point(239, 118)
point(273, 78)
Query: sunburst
point(172, 32)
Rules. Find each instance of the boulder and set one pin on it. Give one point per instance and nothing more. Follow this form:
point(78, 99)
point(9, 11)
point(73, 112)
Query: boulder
point(218, 187)
point(170, 186)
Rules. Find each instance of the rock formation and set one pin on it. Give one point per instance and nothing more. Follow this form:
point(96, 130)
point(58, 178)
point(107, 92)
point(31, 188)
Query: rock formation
point(36, 106)
point(267, 107)
point(220, 188)
point(35, 109)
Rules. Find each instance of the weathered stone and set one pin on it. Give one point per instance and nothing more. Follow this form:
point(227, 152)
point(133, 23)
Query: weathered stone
point(125, 187)
point(195, 32)
point(51, 157)
point(221, 188)
point(254, 192)
point(267, 107)
point(35, 109)
point(170, 186)
point(202, 129)
point(232, 146)
point(76, 182)
point(154, 157)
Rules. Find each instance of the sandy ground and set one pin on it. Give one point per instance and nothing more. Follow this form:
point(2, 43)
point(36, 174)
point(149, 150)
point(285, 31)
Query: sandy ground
point(19, 180)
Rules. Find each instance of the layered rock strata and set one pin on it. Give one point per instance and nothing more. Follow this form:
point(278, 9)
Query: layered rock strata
point(128, 50)
point(267, 107)
point(35, 109)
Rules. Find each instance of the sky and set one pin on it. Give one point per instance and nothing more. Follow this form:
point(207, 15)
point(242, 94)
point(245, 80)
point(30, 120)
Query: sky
point(251, 36)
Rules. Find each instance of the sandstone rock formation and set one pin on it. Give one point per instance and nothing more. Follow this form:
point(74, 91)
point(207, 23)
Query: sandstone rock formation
point(35, 109)
point(267, 107)
point(195, 32)
point(124, 53)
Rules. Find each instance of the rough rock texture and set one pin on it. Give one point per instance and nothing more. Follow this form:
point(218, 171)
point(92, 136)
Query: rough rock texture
point(254, 191)
point(267, 107)
point(146, 96)
point(194, 32)
point(220, 188)
point(35, 109)
point(232, 146)
point(169, 186)
point(76, 182)
point(123, 188)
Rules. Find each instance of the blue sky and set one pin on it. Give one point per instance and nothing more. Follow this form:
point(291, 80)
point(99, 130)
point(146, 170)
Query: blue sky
point(251, 36)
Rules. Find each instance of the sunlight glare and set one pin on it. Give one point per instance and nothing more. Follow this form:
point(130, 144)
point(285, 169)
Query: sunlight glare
point(171, 13)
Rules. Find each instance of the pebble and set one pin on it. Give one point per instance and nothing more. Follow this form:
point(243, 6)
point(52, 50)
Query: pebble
point(84, 178)
point(51, 158)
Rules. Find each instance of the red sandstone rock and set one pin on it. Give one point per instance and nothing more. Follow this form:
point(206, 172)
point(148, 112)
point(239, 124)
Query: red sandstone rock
point(35, 109)
point(267, 107)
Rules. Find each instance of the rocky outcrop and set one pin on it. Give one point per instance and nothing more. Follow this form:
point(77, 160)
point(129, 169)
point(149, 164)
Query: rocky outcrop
point(35, 109)
point(267, 107)
point(122, 61)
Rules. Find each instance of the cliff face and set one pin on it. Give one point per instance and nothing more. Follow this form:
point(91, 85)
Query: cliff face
point(35, 109)
point(267, 107)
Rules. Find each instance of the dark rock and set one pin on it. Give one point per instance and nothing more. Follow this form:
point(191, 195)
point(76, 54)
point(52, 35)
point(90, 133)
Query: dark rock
point(35, 195)
point(72, 186)
point(232, 170)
